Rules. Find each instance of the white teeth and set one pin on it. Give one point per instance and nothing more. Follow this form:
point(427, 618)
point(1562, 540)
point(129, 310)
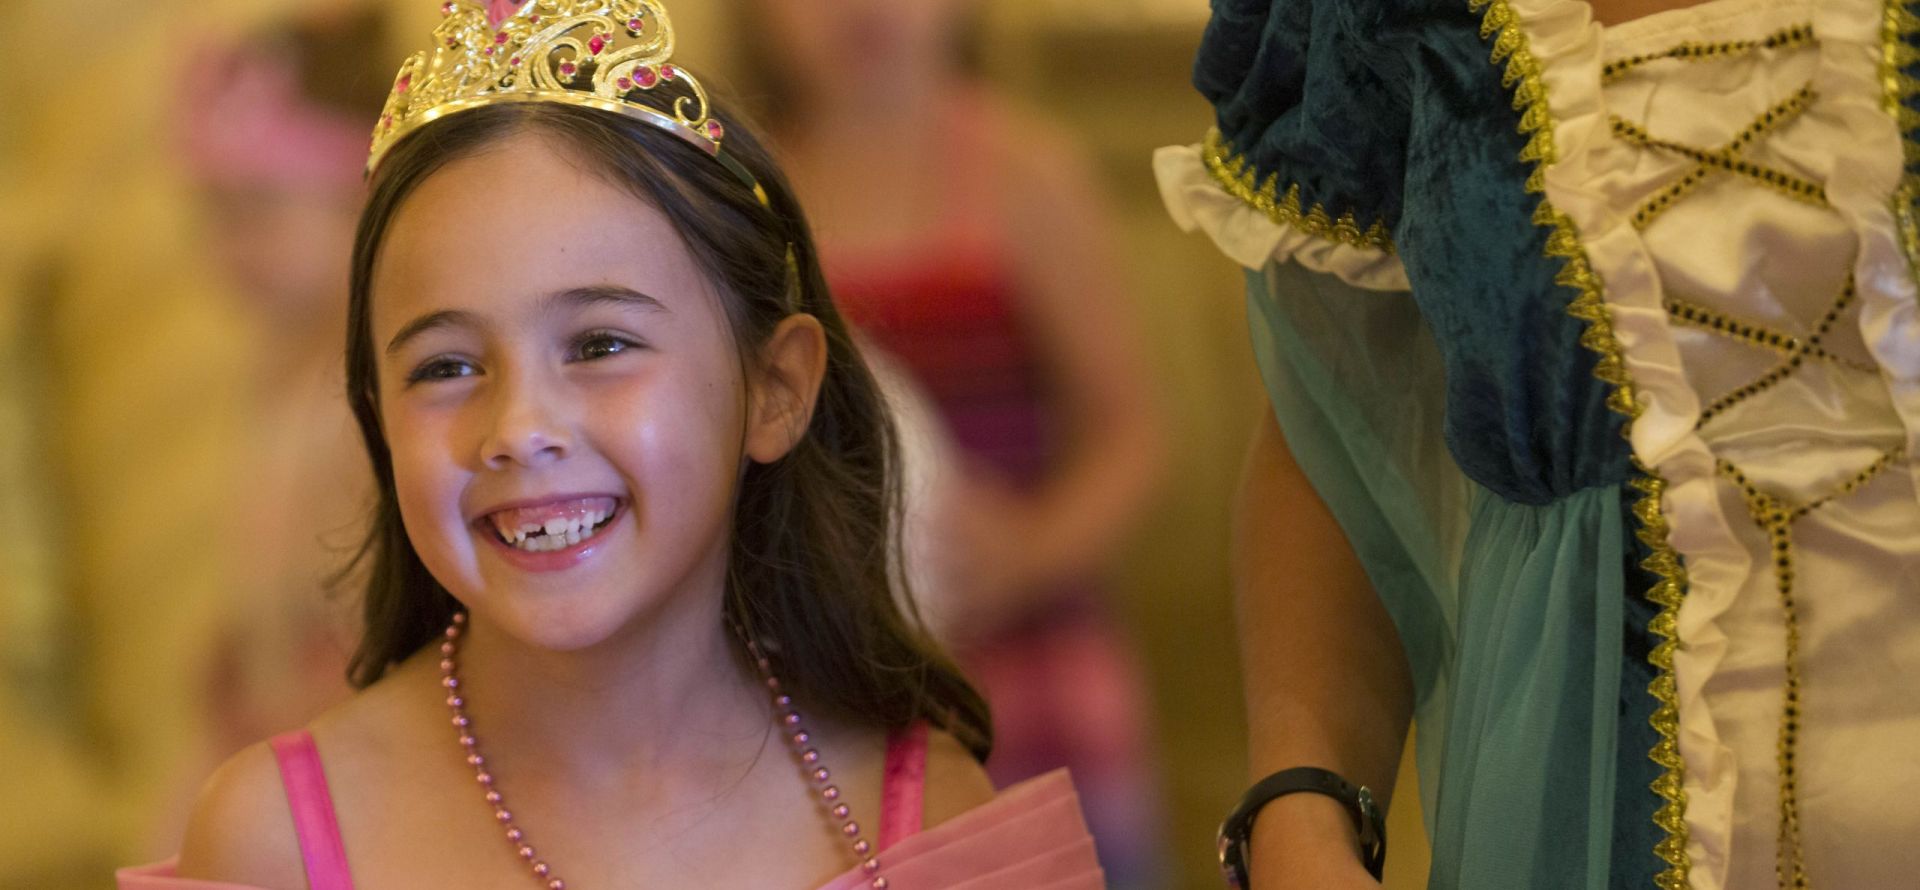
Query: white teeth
point(555, 534)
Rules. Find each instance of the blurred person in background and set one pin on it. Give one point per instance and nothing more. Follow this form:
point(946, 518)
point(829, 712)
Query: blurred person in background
point(273, 130)
point(969, 239)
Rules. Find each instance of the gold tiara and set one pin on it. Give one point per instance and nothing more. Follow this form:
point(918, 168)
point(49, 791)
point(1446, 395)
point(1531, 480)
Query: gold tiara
point(605, 54)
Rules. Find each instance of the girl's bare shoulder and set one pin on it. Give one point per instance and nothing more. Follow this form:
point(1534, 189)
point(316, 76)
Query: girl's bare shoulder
point(241, 830)
point(956, 783)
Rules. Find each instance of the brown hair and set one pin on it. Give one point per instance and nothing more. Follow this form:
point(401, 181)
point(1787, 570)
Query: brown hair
point(812, 568)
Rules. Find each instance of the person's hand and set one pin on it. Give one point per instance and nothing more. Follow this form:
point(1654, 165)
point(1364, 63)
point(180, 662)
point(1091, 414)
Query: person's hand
point(989, 554)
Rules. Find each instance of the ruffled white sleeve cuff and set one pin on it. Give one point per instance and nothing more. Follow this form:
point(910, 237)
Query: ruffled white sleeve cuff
point(1252, 238)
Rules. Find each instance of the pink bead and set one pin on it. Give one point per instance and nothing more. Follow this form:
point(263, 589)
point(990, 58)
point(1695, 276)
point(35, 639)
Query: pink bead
point(459, 618)
point(484, 778)
point(446, 664)
point(453, 633)
point(556, 884)
point(870, 866)
point(761, 661)
point(792, 720)
point(831, 792)
point(502, 816)
point(526, 852)
point(810, 757)
point(446, 648)
point(542, 869)
point(450, 682)
point(475, 760)
point(454, 701)
point(861, 847)
point(851, 829)
point(783, 701)
point(802, 737)
point(461, 721)
point(821, 775)
point(773, 683)
point(841, 812)
point(494, 798)
point(515, 834)
point(879, 884)
point(467, 741)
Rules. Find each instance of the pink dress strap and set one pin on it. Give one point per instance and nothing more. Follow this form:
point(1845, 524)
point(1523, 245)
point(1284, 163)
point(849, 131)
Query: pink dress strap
point(904, 785)
point(314, 822)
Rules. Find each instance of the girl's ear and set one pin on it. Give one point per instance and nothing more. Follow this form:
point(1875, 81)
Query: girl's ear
point(784, 387)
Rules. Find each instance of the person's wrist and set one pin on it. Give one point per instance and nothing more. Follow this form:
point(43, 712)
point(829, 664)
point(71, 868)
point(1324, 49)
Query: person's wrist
point(1304, 840)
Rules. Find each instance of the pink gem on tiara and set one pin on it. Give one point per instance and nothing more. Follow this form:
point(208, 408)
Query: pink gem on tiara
point(567, 69)
point(668, 71)
point(598, 43)
point(406, 80)
point(488, 51)
point(500, 37)
point(515, 61)
point(624, 83)
point(633, 24)
point(715, 131)
point(646, 78)
point(446, 9)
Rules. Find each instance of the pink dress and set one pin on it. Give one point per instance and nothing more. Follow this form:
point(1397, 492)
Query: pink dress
point(1029, 836)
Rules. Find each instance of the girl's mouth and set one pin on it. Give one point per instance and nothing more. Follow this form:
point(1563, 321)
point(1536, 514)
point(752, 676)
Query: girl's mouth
point(556, 526)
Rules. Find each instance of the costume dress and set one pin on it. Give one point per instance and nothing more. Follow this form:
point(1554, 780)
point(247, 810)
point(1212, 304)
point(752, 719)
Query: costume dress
point(1062, 680)
point(1601, 345)
point(1030, 835)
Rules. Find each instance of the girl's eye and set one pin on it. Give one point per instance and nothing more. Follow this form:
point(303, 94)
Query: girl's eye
point(601, 345)
point(441, 369)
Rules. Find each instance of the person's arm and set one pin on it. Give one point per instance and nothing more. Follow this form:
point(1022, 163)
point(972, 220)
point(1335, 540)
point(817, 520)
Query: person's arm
point(1326, 681)
point(1084, 318)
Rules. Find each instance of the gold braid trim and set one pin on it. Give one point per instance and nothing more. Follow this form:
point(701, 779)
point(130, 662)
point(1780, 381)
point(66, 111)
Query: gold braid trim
point(1235, 173)
point(1522, 74)
point(1900, 29)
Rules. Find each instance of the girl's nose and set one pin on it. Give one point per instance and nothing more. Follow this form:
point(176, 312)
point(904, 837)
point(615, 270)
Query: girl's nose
point(526, 430)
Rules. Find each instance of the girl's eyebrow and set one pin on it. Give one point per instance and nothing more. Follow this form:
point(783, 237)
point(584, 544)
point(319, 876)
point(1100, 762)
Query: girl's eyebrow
point(598, 294)
point(445, 318)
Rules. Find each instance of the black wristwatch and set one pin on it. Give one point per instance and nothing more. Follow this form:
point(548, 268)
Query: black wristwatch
point(1357, 799)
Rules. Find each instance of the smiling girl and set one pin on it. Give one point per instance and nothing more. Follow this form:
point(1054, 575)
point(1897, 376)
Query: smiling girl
point(632, 619)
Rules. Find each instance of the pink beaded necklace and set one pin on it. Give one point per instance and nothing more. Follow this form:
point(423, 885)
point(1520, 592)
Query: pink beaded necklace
point(790, 725)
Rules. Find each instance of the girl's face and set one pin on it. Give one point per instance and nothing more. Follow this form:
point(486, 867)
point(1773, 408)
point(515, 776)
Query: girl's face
point(562, 396)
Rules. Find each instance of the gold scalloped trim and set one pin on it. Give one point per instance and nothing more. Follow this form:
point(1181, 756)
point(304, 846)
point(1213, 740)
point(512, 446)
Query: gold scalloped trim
point(1899, 31)
point(1236, 174)
point(1500, 24)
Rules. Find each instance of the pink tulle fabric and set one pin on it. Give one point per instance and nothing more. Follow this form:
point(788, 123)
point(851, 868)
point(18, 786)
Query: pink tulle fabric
point(1031, 836)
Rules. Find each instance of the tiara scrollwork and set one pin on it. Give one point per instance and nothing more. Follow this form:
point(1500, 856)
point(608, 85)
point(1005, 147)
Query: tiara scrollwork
point(615, 55)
